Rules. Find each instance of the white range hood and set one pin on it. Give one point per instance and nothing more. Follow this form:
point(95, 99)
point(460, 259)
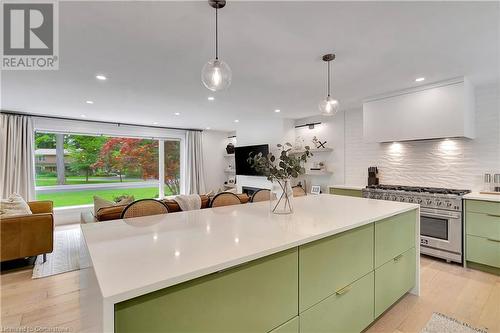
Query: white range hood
point(440, 110)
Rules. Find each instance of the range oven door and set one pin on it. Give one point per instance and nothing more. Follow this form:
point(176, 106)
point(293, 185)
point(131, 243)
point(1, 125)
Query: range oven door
point(441, 230)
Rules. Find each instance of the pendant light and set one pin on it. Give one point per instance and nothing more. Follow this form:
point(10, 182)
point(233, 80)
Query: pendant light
point(329, 106)
point(216, 74)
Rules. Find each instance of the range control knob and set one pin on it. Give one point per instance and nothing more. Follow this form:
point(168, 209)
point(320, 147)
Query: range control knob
point(439, 203)
point(449, 204)
point(428, 201)
point(419, 201)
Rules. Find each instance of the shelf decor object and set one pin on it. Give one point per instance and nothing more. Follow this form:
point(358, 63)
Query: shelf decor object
point(328, 106)
point(280, 171)
point(216, 74)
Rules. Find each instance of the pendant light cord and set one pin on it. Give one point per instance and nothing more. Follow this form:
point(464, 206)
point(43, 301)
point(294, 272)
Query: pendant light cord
point(216, 35)
point(328, 62)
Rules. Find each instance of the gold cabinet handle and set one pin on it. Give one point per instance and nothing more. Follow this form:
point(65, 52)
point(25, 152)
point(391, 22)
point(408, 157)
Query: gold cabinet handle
point(398, 257)
point(493, 240)
point(344, 290)
point(494, 215)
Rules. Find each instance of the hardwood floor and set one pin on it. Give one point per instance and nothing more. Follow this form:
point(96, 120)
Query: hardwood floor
point(464, 294)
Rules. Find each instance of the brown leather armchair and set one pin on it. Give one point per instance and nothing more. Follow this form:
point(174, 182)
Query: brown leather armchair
point(28, 235)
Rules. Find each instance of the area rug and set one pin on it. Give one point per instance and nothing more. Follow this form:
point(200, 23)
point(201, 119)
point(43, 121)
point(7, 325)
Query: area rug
point(69, 254)
point(439, 323)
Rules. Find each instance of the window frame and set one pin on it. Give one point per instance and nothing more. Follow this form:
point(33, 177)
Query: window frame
point(135, 132)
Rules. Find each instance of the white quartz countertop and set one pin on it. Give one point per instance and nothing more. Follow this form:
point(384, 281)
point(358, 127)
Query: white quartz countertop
point(349, 187)
point(136, 256)
point(480, 196)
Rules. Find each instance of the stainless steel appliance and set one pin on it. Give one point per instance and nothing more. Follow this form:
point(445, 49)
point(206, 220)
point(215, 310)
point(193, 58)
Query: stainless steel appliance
point(441, 223)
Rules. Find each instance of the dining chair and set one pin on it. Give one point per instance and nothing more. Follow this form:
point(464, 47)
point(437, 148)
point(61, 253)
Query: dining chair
point(225, 199)
point(261, 195)
point(298, 191)
point(144, 207)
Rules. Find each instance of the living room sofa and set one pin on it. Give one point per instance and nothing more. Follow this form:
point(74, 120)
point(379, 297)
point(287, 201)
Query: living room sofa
point(28, 235)
point(114, 212)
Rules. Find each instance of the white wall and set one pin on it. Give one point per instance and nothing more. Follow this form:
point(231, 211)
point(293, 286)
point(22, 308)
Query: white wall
point(454, 163)
point(214, 162)
point(331, 130)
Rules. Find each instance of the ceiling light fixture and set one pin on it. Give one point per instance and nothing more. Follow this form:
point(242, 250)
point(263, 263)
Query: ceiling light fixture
point(420, 79)
point(277, 110)
point(211, 98)
point(89, 102)
point(101, 77)
point(328, 106)
point(83, 116)
point(216, 74)
point(236, 121)
point(155, 123)
point(207, 128)
point(177, 114)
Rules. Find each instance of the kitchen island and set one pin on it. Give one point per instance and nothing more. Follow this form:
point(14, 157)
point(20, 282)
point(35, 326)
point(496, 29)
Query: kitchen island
point(335, 264)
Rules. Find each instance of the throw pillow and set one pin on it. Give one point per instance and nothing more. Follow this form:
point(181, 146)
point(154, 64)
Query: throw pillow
point(101, 203)
point(14, 205)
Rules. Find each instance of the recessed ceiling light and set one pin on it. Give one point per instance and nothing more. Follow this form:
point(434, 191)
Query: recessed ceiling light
point(83, 116)
point(101, 77)
point(277, 110)
point(89, 102)
point(177, 113)
point(236, 121)
point(155, 123)
point(211, 98)
point(207, 128)
point(420, 79)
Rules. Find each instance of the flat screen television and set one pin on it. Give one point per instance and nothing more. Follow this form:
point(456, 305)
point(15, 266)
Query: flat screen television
point(241, 155)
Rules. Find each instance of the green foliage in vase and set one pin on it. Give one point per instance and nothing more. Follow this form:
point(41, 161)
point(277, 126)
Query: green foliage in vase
point(284, 166)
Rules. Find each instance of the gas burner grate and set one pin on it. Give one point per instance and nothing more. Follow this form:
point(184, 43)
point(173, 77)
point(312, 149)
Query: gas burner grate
point(418, 189)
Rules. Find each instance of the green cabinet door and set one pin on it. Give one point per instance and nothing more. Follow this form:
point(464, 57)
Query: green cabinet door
point(291, 326)
point(255, 297)
point(484, 251)
point(485, 207)
point(393, 280)
point(330, 264)
point(350, 310)
point(346, 191)
point(394, 235)
point(483, 225)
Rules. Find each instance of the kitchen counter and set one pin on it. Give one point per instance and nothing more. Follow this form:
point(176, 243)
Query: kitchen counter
point(484, 197)
point(137, 256)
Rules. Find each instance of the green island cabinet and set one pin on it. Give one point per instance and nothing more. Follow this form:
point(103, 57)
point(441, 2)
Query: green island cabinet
point(341, 283)
point(482, 239)
point(346, 191)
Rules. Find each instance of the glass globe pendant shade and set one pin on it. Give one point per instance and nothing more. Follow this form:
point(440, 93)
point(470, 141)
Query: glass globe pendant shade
point(329, 106)
point(216, 75)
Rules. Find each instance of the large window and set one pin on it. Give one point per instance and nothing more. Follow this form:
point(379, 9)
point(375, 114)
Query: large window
point(71, 169)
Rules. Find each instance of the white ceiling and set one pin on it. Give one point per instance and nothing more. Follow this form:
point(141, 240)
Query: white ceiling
point(153, 53)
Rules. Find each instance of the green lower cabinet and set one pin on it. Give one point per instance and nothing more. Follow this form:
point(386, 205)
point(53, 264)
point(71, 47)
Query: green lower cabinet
point(349, 310)
point(255, 297)
point(291, 326)
point(346, 192)
point(485, 207)
point(394, 279)
point(394, 235)
point(332, 263)
point(483, 225)
point(484, 251)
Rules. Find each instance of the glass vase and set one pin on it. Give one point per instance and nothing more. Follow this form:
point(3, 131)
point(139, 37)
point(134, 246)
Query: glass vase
point(281, 197)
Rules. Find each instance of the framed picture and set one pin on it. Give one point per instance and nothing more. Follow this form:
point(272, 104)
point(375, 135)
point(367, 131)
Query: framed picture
point(315, 189)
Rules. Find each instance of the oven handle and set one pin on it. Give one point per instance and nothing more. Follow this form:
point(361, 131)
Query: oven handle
point(422, 212)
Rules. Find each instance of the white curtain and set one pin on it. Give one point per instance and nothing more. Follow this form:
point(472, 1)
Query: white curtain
point(17, 156)
point(195, 181)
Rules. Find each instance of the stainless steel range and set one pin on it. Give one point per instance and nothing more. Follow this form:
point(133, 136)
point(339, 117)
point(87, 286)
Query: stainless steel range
point(441, 223)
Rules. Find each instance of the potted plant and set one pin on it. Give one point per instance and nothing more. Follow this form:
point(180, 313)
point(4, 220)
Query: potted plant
point(280, 170)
